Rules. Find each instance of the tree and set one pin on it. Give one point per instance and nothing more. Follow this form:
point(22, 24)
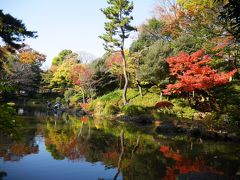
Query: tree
point(13, 30)
point(154, 68)
point(103, 81)
point(149, 33)
point(62, 75)
point(62, 56)
point(230, 15)
point(81, 76)
point(194, 75)
point(26, 73)
point(117, 30)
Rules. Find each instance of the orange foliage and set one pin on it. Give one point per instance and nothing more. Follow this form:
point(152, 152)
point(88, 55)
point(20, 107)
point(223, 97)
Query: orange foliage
point(29, 57)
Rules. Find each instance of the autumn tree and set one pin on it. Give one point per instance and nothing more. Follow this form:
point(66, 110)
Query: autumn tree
point(61, 78)
point(194, 75)
point(81, 76)
point(118, 29)
point(25, 73)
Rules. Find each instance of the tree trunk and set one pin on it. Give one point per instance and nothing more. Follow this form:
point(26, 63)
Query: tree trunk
point(124, 95)
point(139, 88)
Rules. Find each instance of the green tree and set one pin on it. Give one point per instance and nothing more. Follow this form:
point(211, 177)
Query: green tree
point(13, 31)
point(118, 29)
point(62, 56)
point(155, 69)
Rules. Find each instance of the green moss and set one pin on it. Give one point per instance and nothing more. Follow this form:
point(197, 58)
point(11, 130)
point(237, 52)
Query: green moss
point(134, 110)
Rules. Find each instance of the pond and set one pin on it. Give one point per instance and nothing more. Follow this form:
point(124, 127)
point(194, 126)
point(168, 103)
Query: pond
point(62, 146)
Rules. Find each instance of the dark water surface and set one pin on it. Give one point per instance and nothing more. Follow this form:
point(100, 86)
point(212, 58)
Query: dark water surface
point(61, 146)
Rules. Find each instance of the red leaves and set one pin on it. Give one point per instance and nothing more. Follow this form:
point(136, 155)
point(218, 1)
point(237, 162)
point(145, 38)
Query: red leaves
point(114, 59)
point(80, 74)
point(193, 73)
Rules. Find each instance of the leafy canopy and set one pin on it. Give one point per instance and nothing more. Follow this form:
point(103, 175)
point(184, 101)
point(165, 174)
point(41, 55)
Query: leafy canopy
point(193, 73)
point(13, 31)
point(118, 27)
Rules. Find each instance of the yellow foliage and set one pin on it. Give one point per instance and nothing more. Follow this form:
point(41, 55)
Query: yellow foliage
point(28, 57)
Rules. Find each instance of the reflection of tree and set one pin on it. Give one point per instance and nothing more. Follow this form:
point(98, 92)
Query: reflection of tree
point(184, 165)
point(12, 150)
point(134, 157)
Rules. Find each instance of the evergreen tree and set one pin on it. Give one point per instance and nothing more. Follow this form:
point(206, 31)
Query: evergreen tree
point(118, 28)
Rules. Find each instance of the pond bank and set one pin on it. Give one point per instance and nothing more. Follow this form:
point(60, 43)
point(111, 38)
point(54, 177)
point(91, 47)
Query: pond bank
point(177, 127)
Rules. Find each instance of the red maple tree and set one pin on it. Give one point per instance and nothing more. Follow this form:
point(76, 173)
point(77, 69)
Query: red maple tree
point(193, 73)
point(80, 75)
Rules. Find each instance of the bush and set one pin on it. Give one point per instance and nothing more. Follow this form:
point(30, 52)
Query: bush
point(181, 109)
point(164, 104)
point(133, 110)
point(111, 109)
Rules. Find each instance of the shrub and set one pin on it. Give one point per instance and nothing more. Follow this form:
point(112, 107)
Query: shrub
point(133, 110)
point(181, 109)
point(164, 104)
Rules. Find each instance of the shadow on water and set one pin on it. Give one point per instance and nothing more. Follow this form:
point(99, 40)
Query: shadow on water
point(63, 146)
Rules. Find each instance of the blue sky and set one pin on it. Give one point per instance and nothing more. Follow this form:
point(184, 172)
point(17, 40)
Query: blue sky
point(68, 24)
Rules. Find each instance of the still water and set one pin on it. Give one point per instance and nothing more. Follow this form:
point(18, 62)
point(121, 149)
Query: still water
point(61, 146)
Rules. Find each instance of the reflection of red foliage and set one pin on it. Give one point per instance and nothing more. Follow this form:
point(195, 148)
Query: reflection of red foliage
point(164, 104)
point(184, 165)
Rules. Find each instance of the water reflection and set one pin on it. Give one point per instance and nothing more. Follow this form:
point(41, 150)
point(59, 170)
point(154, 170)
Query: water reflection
point(107, 149)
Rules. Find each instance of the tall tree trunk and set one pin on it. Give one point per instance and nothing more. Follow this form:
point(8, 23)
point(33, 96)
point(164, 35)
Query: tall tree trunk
point(139, 88)
point(124, 95)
